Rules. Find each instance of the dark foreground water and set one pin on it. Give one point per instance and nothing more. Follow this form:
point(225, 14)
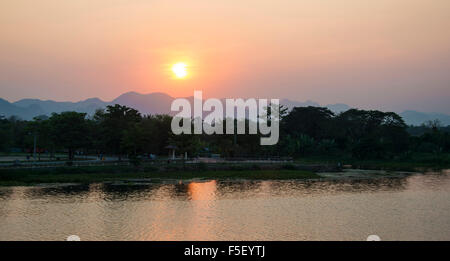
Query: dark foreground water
point(416, 207)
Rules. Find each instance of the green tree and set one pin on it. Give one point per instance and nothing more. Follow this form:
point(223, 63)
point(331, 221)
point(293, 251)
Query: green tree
point(115, 124)
point(6, 135)
point(312, 121)
point(155, 133)
point(40, 128)
point(371, 134)
point(69, 130)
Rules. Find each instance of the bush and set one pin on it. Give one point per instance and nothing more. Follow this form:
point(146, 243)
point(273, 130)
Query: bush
point(201, 166)
point(150, 169)
point(289, 167)
point(135, 161)
point(256, 167)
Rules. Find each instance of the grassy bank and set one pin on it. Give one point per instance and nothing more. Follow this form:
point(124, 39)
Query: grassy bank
point(300, 169)
point(21, 177)
point(398, 165)
point(415, 162)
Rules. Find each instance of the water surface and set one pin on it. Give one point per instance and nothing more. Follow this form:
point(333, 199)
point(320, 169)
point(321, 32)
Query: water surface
point(416, 207)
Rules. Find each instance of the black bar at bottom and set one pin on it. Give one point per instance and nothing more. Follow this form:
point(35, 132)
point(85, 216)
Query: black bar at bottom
point(212, 250)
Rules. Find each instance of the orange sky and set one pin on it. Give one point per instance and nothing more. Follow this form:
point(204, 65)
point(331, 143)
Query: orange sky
point(384, 54)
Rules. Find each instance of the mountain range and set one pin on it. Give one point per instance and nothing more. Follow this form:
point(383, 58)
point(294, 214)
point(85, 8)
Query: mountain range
point(159, 103)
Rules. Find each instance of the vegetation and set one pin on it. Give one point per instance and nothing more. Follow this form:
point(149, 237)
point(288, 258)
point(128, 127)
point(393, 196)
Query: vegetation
point(23, 177)
point(354, 136)
point(414, 162)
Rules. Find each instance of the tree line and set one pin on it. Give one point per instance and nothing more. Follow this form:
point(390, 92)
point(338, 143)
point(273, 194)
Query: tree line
point(304, 131)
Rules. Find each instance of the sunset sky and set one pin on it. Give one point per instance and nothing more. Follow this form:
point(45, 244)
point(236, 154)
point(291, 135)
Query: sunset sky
point(383, 54)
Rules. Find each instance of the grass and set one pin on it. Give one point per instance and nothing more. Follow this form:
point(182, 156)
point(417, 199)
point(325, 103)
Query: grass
point(414, 162)
point(24, 177)
point(90, 174)
point(397, 165)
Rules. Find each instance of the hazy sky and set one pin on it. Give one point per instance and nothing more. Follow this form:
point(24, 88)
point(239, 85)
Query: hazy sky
point(383, 54)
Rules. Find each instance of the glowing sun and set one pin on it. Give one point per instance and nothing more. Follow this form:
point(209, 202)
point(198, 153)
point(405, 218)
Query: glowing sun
point(180, 70)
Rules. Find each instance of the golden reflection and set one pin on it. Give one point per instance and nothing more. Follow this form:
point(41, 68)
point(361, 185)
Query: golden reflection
point(202, 190)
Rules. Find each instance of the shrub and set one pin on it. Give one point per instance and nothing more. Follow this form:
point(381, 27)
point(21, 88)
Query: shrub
point(289, 167)
point(201, 166)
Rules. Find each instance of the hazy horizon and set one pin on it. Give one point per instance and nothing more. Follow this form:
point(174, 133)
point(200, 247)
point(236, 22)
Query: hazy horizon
point(387, 55)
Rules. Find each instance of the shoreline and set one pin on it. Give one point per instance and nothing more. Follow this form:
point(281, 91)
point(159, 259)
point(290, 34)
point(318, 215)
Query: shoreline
point(33, 178)
point(201, 171)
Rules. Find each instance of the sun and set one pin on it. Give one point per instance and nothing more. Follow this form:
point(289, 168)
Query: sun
point(180, 70)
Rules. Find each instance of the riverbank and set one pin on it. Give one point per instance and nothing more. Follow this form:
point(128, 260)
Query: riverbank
point(27, 177)
point(418, 162)
point(305, 168)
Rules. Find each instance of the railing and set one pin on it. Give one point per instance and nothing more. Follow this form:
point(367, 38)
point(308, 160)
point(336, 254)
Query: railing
point(159, 161)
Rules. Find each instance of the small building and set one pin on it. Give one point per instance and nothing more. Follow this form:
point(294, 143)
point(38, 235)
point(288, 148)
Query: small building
point(171, 149)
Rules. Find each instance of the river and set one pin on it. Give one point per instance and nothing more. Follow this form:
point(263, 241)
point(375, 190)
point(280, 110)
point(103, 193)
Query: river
point(412, 207)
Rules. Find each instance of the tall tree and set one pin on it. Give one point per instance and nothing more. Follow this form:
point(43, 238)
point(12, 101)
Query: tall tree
point(69, 130)
point(312, 121)
point(115, 123)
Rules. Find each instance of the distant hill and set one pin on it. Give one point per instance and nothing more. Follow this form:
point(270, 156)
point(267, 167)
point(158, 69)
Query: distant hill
point(8, 109)
point(159, 103)
point(48, 107)
point(153, 103)
point(291, 104)
point(417, 118)
point(336, 108)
